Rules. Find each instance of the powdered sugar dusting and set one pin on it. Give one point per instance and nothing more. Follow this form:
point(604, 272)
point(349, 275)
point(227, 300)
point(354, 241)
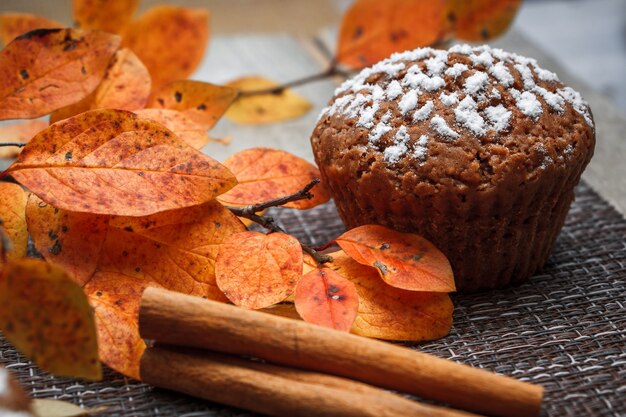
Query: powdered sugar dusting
point(466, 114)
point(440, 126)
point(395, 152)
point(527, 103)
point(456, 70)
point(502, 74)
point(421, 148)
point(449, 99)
point(485, 59)
point(423, 112)
point(408, 102)
point(498, 116)
point(394, 90)
point(382, 128)
point(476, 83)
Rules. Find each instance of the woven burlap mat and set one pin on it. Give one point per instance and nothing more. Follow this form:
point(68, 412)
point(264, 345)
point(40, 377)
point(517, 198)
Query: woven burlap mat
point(565, 330)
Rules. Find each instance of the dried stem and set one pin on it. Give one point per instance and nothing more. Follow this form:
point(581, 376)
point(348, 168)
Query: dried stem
point(18, 144)
point(250, 212)
point(332, 70)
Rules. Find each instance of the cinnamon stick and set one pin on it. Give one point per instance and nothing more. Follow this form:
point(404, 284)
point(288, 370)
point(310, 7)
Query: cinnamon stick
point(183, 320)
point(273, 390)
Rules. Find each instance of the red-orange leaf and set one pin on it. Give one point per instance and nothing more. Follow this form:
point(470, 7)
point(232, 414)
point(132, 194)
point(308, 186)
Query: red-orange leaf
point(125, 86)
point(480, 20)
point(21, 131)
point(264, 174)
point(256, 270)
point(170, 40)
point(12, 214)
point(47, 317)
point(325, 298)
point(13, 25)
point(372, 29)
point(403, 260)
point(386, 312)
point(115, 299)
point(47, 69)
point(192, 133)
point(113, 162)
point(204, 103)
point(107, 15)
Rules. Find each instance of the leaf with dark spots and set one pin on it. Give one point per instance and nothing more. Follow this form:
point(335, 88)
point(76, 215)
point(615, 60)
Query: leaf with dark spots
point(194, 134)
point(38, 301)
point(13, 222)
point(481, 20)
point(410, 262)
point(264, 174)
point(325, 298)
point(12, 25)
point(108, 153)
point(44, 56)
point(107, 15)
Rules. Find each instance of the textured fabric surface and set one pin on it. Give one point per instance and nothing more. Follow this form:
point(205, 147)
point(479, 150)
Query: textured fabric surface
point(565, 329)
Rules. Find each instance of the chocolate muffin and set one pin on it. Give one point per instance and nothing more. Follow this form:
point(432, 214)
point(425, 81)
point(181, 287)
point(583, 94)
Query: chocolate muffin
point(474, 148)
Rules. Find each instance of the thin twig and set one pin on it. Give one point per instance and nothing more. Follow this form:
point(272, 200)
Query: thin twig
point(18, 144)
point(332, 70)
point(250, 212)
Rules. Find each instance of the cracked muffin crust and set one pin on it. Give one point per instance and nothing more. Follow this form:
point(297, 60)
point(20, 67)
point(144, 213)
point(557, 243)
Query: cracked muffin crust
point(476, 149)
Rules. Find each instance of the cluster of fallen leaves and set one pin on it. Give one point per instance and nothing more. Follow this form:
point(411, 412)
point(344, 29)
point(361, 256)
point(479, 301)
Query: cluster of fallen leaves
point(120, 198)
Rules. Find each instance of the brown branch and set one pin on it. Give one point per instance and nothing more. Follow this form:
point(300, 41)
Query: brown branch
point(332, 70)
point(250, 212)
point(18, 144)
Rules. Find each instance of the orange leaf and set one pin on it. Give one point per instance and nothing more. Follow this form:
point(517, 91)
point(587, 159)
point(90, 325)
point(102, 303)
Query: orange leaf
point(47, 69)
point(12, 214)
point(372, 30)
point(325, 298)
point(265, 174)
point(13, 397)
point(256, 270)
point(112, 162)
point(202, 102)
point(170, 40)
point(391, 313)
point(287, 310)
point(47, 317)
point(178, 122)
point(18, 132)
point(265, 108)
point(125, 86)
point(403, 260)
point(115, 299)
point(107, 15)
point(480, 20)
point(13, 25)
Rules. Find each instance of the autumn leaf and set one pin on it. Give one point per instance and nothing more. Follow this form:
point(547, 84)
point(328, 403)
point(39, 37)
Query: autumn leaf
point(21, 131)
point(125, 86)
point(43, 407)
point(403, 260)
point(390, 313)
point(113, 162)
point(170, 41)
point(183, 126)
point(285, 309)
point(255, 270)
point(264, 174)
point(47, 69)
point(480, 20)
point(13, 25)
point(325, 298)
point(107, 15)
point(264, 108)
point(372, 30)
point(46, 316)
point(12, 214)
point(12, 396)
point(202, 102)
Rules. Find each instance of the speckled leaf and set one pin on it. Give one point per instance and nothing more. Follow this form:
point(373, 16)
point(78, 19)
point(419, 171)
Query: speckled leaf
point(113, 162)
point(12, 215)
point(21, 131)
point(265, 108)
point(264, 174)
point(325, 298)
point(403, 260)
point(47, 69)
point(170, 40)
point(13, 25)
point(45, 315)
point(194, 134)
point(256, 270)
point(202, 102)
point(125, 86)
point(107, 15)
point(372, 30)
point(480, 20)
point(390, 313)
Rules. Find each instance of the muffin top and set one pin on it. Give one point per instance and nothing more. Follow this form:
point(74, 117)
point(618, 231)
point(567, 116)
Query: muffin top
point(469, 114)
